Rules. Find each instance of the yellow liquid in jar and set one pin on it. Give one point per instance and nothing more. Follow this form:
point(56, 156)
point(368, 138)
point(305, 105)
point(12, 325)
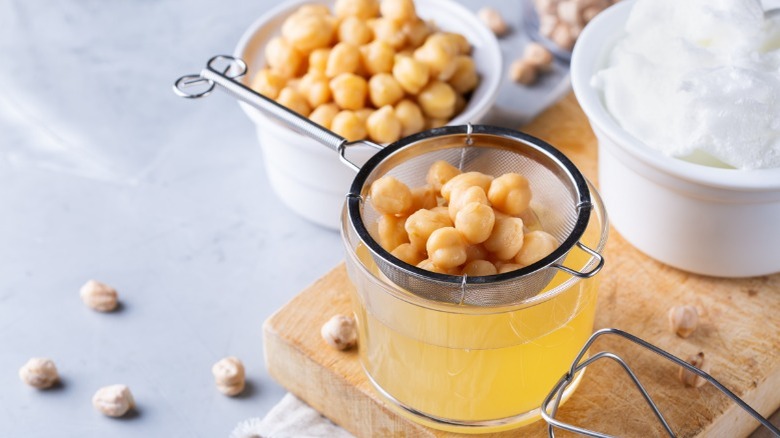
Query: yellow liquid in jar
point(470, 367)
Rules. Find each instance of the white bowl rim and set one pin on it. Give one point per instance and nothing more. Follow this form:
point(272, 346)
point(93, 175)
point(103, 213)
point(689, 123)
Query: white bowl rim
point(593, 36)
point(491, 47)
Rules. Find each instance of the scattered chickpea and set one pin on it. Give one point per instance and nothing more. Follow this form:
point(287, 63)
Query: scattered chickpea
point(683, 320)
point(493, 20)
point(99, 296)
point(538, 56)
point(113, 400)
point(229, 376)
point(39, 372)
point(691, 379)
point(523, 72)
point(340, 332)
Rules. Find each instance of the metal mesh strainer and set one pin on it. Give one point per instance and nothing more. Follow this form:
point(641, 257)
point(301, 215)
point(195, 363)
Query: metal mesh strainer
point(561, 196)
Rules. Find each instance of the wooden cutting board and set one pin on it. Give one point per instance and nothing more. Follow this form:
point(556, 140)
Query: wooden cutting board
point(739, 333)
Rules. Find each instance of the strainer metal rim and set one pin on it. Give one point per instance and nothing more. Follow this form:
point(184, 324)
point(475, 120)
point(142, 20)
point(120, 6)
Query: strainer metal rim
point(584, 205)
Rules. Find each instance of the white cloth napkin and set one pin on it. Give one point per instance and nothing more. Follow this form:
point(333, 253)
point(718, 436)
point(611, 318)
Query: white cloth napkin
point(290, 418)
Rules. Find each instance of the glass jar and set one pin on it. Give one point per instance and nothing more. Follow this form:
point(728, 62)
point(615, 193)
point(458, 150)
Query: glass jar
point(466, 368)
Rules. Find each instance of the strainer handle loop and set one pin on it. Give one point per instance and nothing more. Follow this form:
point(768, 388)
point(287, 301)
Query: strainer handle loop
point(214, 76)
point(584, 274)
point(342, 150)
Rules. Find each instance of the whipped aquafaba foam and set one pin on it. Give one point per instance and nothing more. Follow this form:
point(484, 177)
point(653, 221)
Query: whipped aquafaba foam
point(699, 77)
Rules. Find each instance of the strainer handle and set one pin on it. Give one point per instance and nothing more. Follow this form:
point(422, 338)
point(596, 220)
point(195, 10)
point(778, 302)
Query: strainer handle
point(222, 70)
point(584, 274)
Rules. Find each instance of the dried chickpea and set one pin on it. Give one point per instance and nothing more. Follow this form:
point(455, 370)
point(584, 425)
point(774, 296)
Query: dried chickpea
point(479, 268)
point(464, 181)
point(416, 30)
point(475, 222)
point(383, 126)
point(438, 53)
point(440, 173)
point(390, 196)
point(437, 100)
point(476, 252)
point(378, 57)
point(383, 90)
point(363, 9)
point(411, 74)
point(536, 246)
point(411, 117)
point(510, 194)
point(506, 239)
point(318, 60)
point(508, 267)
point(349, 91)
point(348, 125)
point(39, 372)
point(422, 223)
point(446, 248)
point(344, 58)
point(268, 83)
point(391, 232)
point(523, 72)
point(538, 56)
point(354, 31)
point(283, 58)
point(398, 10)
point(460, 196)
point(324, 114)
point(307, 32)
point(423, 197)
point(389, 31)
point(465, 77)
point(493, 20)
point(407, 252)
point(293, 100)
point(315, 87)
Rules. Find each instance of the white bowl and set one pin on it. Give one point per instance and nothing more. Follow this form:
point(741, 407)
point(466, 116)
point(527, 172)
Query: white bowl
point(719, 222)
point(307, 176)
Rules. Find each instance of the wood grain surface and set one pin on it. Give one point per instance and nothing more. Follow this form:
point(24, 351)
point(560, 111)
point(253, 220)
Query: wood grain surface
point(739, 332)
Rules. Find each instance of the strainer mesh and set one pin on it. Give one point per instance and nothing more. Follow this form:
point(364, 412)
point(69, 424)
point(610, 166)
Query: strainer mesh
point(557, 196)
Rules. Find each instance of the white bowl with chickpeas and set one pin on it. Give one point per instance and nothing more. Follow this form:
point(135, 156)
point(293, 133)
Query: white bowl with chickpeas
point(364, 69)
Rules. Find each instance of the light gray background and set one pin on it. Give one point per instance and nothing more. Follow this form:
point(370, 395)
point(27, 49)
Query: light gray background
point(105, 174)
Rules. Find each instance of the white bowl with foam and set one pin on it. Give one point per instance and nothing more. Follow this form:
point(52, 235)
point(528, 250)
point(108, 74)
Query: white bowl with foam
point(307, 176)
point(705, 220)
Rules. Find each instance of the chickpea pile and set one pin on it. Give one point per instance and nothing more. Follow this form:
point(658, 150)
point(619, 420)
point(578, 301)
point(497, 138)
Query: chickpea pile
point(460, 223)
point(370, 69)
